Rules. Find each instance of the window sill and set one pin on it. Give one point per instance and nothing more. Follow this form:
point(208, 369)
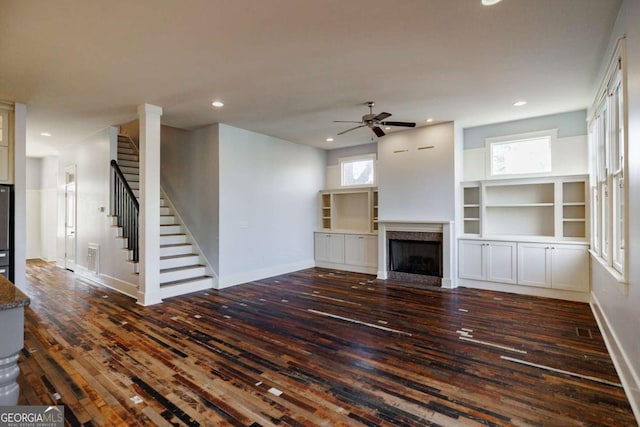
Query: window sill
point(621, 281)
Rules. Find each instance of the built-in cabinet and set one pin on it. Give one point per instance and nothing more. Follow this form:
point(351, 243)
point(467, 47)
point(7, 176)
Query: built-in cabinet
point(529, 232)
point(488, 260)
point(348, 239)
point(556, 266)
point(347, 251)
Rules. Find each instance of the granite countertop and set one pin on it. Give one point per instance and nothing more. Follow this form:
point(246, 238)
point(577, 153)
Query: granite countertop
point(10, 296)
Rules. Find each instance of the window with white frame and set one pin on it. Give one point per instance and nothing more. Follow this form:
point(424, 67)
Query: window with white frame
point(357, 171)
point(608, 145)
point(525, 154)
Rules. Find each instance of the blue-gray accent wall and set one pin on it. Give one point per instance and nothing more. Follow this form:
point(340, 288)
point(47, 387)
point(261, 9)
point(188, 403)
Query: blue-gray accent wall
point(568, 124)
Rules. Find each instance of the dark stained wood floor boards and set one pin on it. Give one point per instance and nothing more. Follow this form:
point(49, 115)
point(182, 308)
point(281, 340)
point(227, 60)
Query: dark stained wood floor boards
point(287, 351)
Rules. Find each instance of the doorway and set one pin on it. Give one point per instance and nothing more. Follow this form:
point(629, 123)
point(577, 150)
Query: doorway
point(70, 217)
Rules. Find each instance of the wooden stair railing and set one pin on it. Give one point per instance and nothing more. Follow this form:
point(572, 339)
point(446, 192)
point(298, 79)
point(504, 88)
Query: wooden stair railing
point(125, 207)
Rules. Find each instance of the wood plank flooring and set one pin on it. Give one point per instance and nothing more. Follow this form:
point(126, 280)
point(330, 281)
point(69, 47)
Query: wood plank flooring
point(316, 347)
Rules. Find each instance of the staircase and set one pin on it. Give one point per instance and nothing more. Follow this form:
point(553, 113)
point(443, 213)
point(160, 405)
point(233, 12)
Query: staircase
point(182, 269)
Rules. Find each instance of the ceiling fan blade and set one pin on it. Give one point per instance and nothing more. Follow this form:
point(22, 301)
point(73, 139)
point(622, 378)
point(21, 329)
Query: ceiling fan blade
point(381, 116)
point(345, 121)
point(403, 124)
point(349, 130)
point(379, 132)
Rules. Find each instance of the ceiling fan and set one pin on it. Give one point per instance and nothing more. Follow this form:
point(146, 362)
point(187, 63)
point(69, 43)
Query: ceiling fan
point(374, 121)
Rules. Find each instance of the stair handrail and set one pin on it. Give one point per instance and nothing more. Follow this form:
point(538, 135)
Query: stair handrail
point(125, 207)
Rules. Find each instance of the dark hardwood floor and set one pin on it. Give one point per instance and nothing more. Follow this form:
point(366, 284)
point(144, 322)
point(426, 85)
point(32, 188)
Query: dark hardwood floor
point(315, 347)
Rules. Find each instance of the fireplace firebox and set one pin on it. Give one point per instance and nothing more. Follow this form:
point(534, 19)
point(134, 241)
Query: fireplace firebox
point(415, 257)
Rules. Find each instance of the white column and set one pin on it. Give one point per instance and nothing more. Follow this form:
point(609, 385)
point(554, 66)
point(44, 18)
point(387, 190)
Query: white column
point(20, 193)
point(149, 229)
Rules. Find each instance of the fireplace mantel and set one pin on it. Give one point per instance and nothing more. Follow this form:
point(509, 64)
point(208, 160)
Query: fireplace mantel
point(448, 247)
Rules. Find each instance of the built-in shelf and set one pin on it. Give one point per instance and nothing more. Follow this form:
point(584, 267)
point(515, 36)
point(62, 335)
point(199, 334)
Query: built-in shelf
point(541, 207)
point(350, 210)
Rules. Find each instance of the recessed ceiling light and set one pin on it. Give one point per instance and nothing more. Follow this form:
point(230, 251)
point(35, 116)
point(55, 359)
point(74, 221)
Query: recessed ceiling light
point(490, 2)
point(429, 120)
point(329, 139)
point(519, 103)
point(387, 128)
point(217, 104)
point(45, 134)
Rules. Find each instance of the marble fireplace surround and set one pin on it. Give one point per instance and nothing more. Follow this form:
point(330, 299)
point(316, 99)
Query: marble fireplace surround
point(444, 227)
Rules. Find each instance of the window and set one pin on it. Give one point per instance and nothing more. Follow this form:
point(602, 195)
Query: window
point(607, 140)
point(528, 154)
point(357, 171)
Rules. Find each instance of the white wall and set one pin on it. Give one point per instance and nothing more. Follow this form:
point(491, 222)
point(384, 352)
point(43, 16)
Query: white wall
point(417, 185)
point(33, 208)
point(268, 205)
point(42, 174)
point(190, 177)
point(622, 312)
point(91, 157)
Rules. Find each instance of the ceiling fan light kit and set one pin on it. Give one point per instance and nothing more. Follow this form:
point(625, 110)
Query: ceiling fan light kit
point(374, 121)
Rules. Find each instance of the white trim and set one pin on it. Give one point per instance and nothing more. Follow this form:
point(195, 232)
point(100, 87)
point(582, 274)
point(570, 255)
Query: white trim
point(552, 134)
point(126, 288)
point(263, 273)
point(525, 290)
point(369, 156)
point(624, 366)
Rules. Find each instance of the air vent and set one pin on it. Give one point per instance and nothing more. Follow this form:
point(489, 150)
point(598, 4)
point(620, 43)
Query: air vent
point(584, 332)
point(93, 258)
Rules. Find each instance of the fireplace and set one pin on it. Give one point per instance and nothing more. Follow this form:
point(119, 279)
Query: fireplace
point(418, 253)
point(415, 257)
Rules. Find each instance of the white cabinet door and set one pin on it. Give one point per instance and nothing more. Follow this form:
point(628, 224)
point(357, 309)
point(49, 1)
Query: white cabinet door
point(361, 250)
point(500, 262)
point(570, 267)
point(487, 260)
point(533, 264)
point(471, 264)
point(329, 247)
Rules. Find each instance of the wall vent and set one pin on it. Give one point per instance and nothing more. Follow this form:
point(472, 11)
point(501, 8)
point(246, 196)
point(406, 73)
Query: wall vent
point(93, 258)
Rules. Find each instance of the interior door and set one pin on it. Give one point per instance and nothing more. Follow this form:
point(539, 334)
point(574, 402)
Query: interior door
point(70, 217)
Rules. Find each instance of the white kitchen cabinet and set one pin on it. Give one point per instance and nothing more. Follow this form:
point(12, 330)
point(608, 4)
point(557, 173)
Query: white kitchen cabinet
point(361, 250)
point(552, 265)
point(487, 260)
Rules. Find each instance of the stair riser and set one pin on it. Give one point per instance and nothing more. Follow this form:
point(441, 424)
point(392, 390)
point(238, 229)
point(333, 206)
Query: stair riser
point(129, 170)
point(184, 288)
point(131, 157)
point(176, 250)
point(128, 163)
point(179, 262)
point(170, 229)
point(135, 185)
point(170, 219)
point(131, 177)
point(164, 210)
point(172, 240)
point(126, 150)
point(181, 274)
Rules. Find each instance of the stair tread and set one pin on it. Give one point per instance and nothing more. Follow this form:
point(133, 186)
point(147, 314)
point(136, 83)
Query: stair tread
point(177, 256)
point(187, 267)
point(175, 245)
point(169, 225)
point(185, 281)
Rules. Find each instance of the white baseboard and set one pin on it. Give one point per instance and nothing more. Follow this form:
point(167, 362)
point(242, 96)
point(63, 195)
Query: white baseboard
point(624, 367)
point(126, 288)
point(525, 290)
point(347, 267)
point(249, 276)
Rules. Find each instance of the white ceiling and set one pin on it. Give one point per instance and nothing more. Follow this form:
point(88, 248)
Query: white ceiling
point(288, 68)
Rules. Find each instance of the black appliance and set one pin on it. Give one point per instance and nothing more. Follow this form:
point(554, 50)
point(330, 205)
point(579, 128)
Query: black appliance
point(6, 231)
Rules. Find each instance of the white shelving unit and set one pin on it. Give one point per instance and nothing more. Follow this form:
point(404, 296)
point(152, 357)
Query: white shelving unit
point(348, 238)
point(542, 223)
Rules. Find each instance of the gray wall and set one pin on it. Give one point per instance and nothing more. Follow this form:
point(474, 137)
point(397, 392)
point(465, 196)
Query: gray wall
point(568, 124)
point(333, 156)
point(189, 167)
